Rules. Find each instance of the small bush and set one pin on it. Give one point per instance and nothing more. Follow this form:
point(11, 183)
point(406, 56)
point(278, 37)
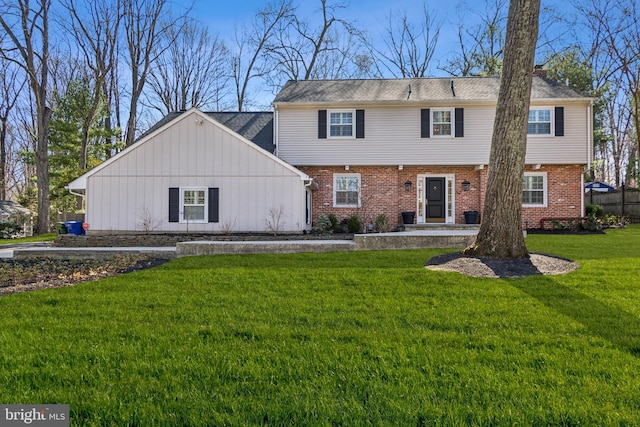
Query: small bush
point(10, 230)
point(324, 225)
point(335, 226)
point(354, 224)
point(593, 222)
point(382, 223)
point(596, 210)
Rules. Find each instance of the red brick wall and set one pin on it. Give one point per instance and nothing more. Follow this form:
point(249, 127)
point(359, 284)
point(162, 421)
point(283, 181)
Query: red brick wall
point(383, 191)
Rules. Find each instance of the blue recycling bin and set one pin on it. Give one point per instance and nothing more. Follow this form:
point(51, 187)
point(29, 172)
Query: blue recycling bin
point(74, 227)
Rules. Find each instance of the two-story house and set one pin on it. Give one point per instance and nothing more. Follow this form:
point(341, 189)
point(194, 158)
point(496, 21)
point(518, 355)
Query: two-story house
point(345, 147)
point(422, 145)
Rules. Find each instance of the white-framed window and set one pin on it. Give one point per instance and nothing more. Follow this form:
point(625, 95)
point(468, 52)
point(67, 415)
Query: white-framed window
point(534, 189)
point(341, 123)
point(539, 121)
point(193, 205)
point(441, 122)
point(346, 190)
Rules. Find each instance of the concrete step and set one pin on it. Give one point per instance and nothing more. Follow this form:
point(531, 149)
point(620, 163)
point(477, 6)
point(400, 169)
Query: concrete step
point(410, 227)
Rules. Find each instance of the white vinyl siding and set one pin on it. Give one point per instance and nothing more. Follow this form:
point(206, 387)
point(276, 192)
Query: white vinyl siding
point(393, 138)
point(191, 156)
point(534, 190)
point(346, 190)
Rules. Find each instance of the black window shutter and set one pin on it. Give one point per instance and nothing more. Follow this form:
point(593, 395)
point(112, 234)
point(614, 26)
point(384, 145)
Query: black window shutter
point(459, 122)
point(174, 204)
point(559, 125)
point(425, 123)
point(322, 124)
point(214, 204)
point(359, 123)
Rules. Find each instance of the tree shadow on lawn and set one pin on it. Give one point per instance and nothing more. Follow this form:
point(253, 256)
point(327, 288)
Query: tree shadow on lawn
point(620, 328)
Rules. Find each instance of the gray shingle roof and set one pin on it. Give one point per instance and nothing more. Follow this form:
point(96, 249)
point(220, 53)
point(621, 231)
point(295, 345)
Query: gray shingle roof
point(257, 127)
point(422, 90)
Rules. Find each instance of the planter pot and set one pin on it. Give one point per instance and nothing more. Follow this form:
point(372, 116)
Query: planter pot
point(408, 217)
point(471, 217)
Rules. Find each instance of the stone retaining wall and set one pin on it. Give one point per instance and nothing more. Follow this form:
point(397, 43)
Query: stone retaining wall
point(171, 239)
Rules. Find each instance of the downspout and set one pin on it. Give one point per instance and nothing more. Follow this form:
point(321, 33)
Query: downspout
point(275, 129)
point(589, 155)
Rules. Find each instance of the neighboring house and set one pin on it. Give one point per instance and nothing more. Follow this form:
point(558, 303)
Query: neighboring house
point(598, 186)
point(422, 145)
point(345, 147)
point(192, 173)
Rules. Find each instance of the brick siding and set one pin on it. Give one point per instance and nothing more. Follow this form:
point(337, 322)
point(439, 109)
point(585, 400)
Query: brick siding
point(383, 191)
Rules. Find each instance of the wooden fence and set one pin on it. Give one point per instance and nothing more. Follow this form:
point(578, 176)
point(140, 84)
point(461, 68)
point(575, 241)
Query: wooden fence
point(623, 201)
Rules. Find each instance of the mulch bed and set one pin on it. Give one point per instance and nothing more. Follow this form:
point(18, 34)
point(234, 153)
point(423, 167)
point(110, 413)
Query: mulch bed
point(34, 274)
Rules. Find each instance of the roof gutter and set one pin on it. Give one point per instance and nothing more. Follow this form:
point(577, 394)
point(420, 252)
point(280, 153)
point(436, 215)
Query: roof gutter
point(74, 193)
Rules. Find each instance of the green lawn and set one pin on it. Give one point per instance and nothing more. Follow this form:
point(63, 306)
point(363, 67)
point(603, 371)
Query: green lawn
point(363, 338)
point(50, 237)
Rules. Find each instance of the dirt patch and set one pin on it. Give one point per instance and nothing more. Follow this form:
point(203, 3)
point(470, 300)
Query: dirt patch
point(33, 274)
point(537, 264)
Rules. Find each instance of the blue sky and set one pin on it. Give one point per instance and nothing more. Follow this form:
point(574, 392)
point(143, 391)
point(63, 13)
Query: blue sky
point(224, 16)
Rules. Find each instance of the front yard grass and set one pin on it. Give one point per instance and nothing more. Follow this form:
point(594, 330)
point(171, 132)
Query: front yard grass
point(49, 237)
point(362, 338)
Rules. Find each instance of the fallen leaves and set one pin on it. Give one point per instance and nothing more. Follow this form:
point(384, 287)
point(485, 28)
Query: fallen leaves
point(33, 274)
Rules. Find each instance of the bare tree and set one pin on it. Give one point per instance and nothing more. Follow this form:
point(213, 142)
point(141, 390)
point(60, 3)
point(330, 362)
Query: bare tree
point(500, 233)
point(481, 44)
point(11, 84)
point(302, 50)
point(145, 25)
point(27, 28)
point(95, 26)
point(192, 72)
point(250, 45)
point(408, 48)
point(616, 51)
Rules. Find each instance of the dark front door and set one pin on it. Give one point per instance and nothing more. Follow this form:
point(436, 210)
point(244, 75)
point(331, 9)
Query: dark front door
point(436, 202)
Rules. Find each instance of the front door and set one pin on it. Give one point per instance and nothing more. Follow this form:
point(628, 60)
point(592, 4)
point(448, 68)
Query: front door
point(435, 200)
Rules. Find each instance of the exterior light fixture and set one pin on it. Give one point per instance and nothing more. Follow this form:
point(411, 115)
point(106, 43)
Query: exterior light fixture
point(407, 185)
point(466, 185)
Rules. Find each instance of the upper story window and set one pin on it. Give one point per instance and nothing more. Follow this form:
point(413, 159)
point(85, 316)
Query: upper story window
point(534, 189)
point(539, 121)
point(341, 124)
point(441, 121)
point(346, 190)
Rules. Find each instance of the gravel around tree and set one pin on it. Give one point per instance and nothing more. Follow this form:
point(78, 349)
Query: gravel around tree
point(502, 268)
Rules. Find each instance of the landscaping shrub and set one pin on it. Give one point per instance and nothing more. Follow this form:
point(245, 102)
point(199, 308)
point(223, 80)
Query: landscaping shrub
point(596, 210)
point(9, 230)
point(324, 225)
point(354, 224)
point(335, 226)
point(382, 223)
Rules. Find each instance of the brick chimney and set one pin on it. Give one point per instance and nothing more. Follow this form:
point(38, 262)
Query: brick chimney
point(538, 71)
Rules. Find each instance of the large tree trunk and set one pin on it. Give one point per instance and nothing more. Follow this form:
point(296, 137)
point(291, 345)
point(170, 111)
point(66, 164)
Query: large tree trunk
point(500, 233)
